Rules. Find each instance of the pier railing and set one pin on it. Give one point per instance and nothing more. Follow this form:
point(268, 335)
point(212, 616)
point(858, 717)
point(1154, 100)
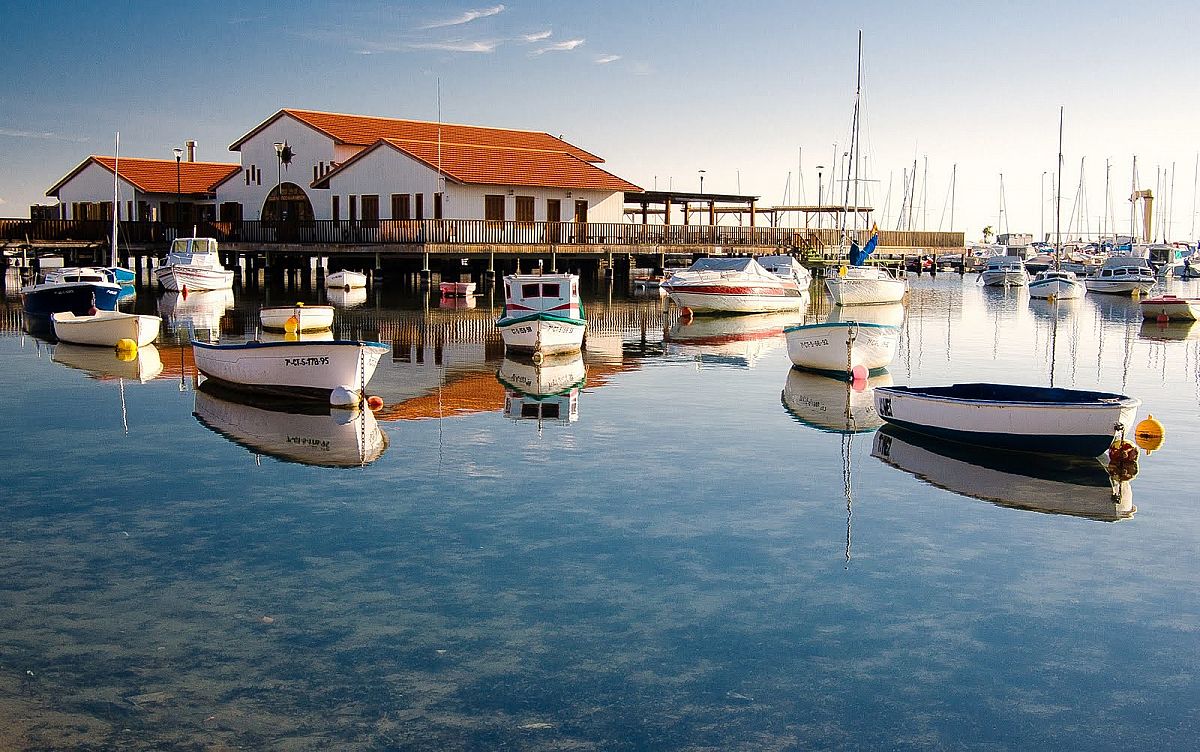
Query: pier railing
point(422, 232)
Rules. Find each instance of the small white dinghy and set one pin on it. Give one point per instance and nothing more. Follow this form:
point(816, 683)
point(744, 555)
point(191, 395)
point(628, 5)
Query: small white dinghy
point(105, 328)
point(337, 370)
point(856, 341)
point(1024, 418)
point(346, 280)
point(297, 318)
point(1171, 308)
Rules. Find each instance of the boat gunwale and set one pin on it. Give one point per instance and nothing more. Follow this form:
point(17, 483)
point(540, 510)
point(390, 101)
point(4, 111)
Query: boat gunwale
point(831, 324)
point(1097, 399)
point(256, 344)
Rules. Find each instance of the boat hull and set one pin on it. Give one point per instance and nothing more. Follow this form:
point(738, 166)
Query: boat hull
point(840, 347)
point(298, 369)
point(1058, 288)
point(457, 289)
point(1022, 418)
point(1118, 287)
point(1173, 308)
point(861, 289)
point(736, 299)
point(106, 328)
point(1004, 278)
point(346, 280)
point(308, 318)
point(75, 297)
point(542, 333)
point(180, 277)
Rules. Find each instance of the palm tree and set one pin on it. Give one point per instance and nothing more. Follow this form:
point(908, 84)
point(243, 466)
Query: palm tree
point(987, 234)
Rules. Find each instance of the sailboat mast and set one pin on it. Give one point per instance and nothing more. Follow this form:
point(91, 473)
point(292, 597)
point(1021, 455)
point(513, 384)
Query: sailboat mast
point(953, 184)
point(1058, 194)
point(854, 150)
point(116, 198)
point(1107, 201)
point(1133, 205)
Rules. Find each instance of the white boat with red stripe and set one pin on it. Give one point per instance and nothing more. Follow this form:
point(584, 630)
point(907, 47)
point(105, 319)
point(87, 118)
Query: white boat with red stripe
point(193, 264)
point(733, 285)
point(543, 314)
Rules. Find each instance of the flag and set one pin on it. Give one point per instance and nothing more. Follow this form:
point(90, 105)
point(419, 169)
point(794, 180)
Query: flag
point(870, 246)
point(859, 255)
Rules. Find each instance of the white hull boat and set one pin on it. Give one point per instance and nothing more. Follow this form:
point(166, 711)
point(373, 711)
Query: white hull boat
point(456, 289)
point(1122, 275)
point(1005, 416)
point(1171, 308)
point(297, 318)
point(346, 280)
point(865, 285)
point(346, 298)
point(543, 314)
point(733, 285)
point(337, 370)
point(1004, 271)
point(1059, 285)
point(1017, 480)
point(192, 265)
point(106, 328)
point(853, 340)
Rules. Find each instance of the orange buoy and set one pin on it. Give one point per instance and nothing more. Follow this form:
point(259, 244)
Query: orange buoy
point(184, 291)
point(374, 403)
point(292, 325)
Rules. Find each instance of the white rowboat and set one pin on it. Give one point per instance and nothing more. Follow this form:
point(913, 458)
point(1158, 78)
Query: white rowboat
point(346, 280)
point(105, 328)
point(337, 370)
point(297, 318)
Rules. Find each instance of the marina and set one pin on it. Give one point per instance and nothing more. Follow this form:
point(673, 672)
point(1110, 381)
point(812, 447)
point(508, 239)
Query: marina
point(506, 549)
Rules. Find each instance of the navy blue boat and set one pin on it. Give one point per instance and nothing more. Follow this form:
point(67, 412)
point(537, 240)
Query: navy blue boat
point(74, 290)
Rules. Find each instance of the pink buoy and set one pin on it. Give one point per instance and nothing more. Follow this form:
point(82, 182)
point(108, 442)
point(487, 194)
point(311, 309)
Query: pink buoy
point(858, 375)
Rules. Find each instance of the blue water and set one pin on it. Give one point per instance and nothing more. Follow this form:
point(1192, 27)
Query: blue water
point(679, 568)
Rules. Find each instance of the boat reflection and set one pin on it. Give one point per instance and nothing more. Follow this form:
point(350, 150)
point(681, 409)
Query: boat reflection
point(888, 314)
point(455, 303)
point(546, 391)
point(103, 363)
point(343, 298)
point(1169, 331)
point(199, 313)
point(730, 340)
point(304, 433)
point(1019, 480)
point(835, 405)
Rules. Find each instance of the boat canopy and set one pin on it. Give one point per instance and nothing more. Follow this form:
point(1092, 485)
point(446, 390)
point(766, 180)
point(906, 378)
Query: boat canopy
point(742, 264)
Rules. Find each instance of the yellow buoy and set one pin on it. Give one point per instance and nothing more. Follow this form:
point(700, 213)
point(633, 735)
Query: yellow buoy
point(126, 349)
point(292, 325)
point(1149, 434)
point(843, 271)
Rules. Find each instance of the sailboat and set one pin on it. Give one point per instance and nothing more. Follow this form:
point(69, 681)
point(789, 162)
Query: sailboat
point(856, 283)
point(1056, 284)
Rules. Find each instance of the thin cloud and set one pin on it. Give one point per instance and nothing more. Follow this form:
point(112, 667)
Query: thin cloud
point(606, 59)
point(41, 135)
point(477, 46)
point(2, 201)
point(566, 46)
point(537, 36)
point(467, 17)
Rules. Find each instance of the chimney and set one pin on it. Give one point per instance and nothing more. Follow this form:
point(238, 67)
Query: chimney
point(191, 150)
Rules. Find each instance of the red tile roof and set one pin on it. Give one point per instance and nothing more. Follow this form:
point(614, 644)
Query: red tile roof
point(492, 165)
point(363, 130)
point(158, 175)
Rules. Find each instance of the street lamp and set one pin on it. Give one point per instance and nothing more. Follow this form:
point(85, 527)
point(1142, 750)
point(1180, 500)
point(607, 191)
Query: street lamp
point(820, 194)
point(701, 181)
point(178, 191)
point(278, 178)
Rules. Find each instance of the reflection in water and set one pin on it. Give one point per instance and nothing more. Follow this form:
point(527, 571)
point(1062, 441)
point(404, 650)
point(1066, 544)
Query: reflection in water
point(546, 391)
point(1169, 331)
point(103, 362)
point(830, 404)
point(1054, 485)
point(198, 313)
point(342, 298)
point(269, 336)
point(308, 434)
point(730, 340)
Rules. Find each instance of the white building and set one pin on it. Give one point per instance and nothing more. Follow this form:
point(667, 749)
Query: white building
point(366, 168)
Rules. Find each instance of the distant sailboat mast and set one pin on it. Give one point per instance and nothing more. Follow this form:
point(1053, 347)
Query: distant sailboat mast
point(1058, 196)
point(116, 198)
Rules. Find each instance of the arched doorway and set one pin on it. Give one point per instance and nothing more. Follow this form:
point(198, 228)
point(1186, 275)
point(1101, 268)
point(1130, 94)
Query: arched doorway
point(288, 202)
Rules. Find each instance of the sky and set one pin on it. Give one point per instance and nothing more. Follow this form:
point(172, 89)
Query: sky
point(755, 94)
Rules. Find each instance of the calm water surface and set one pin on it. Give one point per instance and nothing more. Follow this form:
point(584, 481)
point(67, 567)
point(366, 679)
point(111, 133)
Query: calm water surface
point(709, 556)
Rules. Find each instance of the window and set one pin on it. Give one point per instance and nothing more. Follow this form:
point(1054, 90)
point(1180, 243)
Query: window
point(337, 207)
point(247, 176)
point(316, 173)
point(231, 211)
point(400, 206)
point(530, 290)
point(370, 210)
point(420, 206)
point(493, 208)
point(437, 205)
point(524, 208)
point(550, 290)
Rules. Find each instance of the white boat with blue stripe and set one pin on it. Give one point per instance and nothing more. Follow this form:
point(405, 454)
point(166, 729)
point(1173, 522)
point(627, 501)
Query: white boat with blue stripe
point(1057, 285)
point(543, 314)
point(1025, 418)
point(856, 341)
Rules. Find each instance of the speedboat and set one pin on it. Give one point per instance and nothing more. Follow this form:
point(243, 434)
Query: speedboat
point(1008, 416)
point(193, 264)
point(543, 314)
point(1171, 308)
point(854, 343)
point(865, 285)
point(105, 328)
point(336, 371)
point(346, 279)
point(296, 318)
point(79, 290)
point(1005, 271)
point(1057, 284)
point(1122, 275)
point(786, 267)
point(733, 285)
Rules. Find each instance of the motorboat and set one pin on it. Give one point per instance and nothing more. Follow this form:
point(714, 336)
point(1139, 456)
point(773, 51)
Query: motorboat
point(463, 288)
point(1122, 275)
point(543, 391)
point(104, 364)
point(78, 290)
point(832, 404)
point(543, 314)
point(192, 265)
point(865, 285)
point(786, 267)
point(1005, 271)
point(106, 328)
point(336, 371)
point(1056, 284)
point(1079, 487)
point(730, 340)
point(345, 279)
point(1008, 416)
point(733, 285)
point(1170, 308)
point(305, 433)
point(296, 318)
point(854, 342)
